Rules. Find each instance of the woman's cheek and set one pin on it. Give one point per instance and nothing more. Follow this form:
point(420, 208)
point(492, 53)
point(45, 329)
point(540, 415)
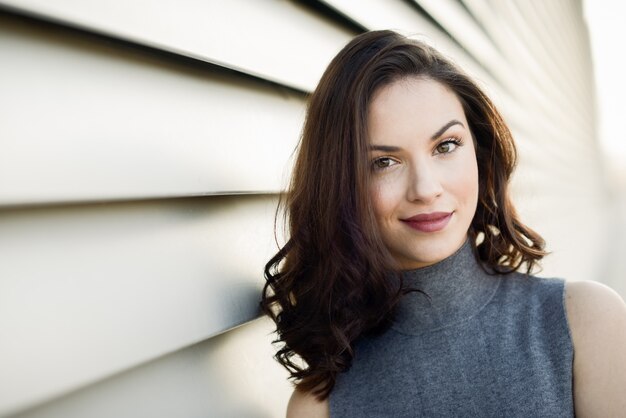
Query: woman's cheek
point(376, 197)
point(383, 198)
point(468, 182)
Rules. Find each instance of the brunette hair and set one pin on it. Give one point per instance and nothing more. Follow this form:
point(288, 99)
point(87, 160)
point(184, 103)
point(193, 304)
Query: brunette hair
point(330, 283)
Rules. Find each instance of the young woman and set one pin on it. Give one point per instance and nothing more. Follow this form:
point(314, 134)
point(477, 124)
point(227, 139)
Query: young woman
point(400, 287)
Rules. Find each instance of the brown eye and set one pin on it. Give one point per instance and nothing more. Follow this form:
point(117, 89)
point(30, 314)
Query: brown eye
point(447, 147)
point(444, 147)
point(382, 163)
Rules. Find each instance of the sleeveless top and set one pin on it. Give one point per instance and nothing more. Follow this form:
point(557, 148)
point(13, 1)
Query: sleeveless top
point(482, 345)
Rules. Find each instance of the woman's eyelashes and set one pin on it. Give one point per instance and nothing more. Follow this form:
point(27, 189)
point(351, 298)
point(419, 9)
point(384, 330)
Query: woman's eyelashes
point(445, 147)
point(382, 163)
point(448, 146)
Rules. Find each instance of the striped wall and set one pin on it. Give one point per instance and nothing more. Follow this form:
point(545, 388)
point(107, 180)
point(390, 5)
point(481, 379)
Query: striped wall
point(143, 145)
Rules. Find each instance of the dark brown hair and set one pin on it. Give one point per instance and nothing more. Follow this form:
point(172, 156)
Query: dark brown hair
point(330, 283)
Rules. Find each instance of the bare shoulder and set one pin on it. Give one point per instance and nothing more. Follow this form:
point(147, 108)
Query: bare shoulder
point(597, 319)
point(588, 302)
point(305, 405)
point(594, 311)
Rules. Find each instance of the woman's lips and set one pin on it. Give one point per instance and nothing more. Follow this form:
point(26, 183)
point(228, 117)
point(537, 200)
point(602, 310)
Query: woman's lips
point(429, 222)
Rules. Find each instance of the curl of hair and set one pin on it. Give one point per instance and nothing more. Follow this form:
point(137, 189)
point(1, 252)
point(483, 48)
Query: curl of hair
point(330, 283)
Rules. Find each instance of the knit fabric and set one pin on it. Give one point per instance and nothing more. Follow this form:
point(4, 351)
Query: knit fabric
point(482, 345)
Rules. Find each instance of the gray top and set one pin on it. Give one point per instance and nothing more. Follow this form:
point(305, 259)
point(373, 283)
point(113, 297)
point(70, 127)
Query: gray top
point(484, 345)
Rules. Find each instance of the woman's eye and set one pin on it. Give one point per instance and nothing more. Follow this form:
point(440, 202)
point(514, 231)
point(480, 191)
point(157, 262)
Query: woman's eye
point(447, 147)
point(382, 163)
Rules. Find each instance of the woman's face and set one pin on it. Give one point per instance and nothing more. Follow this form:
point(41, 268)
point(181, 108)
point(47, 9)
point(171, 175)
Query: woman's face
point(424, 173)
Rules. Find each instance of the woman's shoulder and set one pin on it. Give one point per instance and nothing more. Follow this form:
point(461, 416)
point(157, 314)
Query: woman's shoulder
point(306, 405)
point(597, 318)
point(593, 309)
point(591, 305)
point(589, 295)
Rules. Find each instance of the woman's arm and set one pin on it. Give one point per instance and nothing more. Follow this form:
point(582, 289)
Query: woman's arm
point(305, 405)
point(597, 318)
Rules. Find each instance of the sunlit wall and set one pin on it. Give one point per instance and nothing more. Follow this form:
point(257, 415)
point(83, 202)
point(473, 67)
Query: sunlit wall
point(605, 21)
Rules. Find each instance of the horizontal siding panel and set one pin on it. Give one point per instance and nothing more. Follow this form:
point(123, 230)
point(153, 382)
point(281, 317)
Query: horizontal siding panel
point(524, 47)
point(232, 375)
point(560, 74)
point(565, 222)
point(516, 77)
point(83, 121)
point(452, 17)
point(87, 291)
point(277, 40)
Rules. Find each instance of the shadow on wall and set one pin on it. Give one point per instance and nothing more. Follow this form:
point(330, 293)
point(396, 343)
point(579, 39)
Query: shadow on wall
point(203, 380)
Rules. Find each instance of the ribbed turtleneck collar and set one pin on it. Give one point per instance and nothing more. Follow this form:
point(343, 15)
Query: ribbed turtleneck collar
point(458, 288)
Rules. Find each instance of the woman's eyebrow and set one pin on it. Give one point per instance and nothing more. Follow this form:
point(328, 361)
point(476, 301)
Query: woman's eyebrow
point(445, 128)
point(385, 148)
point(391, 148)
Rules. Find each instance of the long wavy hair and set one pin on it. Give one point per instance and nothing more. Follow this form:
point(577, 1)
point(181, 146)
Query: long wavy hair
point(330, 283)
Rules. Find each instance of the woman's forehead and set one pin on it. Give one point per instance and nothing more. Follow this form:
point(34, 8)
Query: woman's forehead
point(413, 106)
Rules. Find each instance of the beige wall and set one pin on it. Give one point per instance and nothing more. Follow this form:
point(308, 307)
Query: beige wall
point(142, 147)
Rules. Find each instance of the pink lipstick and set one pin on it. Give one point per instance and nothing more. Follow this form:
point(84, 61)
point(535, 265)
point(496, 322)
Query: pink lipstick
point(429, 222)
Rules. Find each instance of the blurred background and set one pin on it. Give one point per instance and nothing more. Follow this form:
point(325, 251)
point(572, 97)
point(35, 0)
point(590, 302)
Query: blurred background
point(143, 145)
point(606, 29)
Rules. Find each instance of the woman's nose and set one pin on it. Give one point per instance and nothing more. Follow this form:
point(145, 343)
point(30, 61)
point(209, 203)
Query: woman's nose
point(424, 185)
